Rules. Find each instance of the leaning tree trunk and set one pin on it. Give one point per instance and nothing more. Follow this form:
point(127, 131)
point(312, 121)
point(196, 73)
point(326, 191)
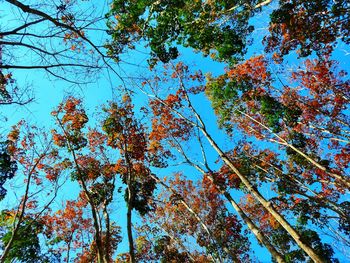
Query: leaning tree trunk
point(266, 204)
point(255, 192)
point(197, 217)
point(254, 228)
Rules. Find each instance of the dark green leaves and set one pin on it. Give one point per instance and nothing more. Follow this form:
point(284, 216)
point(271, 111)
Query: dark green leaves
point(8, 168)
point(219, 28)
point(26, 246)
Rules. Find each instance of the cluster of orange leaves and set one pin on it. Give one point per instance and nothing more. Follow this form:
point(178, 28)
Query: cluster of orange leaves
point(73, 117)
point(165, 123)
point(65, 223)
point(253, 70)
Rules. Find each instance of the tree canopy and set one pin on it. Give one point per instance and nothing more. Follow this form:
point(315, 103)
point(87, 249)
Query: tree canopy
point(226, 137)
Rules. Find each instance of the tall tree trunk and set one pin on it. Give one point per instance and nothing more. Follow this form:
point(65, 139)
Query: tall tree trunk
point(344, 180)
point(129, 226)
point(68, 247)
point(95, 215)
point(94, 210)
point(129, 181)
point(107, 243)
point(266, 204)
point(197, 217)
point(21, 210)
point(254, 228)
point(256, 231)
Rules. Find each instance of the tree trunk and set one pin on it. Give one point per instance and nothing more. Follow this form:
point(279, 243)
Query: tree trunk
point(107, 244)
point(129, 226)
point(129, 181)
point(344, 180)
point(22, 208)
point(196, 216)
point(266, 204)
point(256, 231)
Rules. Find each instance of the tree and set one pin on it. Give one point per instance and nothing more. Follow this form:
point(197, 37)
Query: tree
point(180, 105)
point(55, 35)
point(279, 172)
point(27, 247)
point(94, 173)
point(307, 27)
point(68, 226)
point(262, 109)
point(219, 28)
point(22, 225)
point(215, 229)
point(126, 134)
point(252, 96)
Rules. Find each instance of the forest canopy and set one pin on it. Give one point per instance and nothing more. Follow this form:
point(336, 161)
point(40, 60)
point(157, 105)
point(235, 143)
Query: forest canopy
point(175, 131)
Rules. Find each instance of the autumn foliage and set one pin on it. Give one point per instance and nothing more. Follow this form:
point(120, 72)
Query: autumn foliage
point(242, 156)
